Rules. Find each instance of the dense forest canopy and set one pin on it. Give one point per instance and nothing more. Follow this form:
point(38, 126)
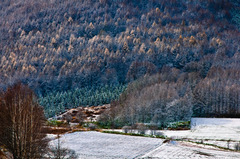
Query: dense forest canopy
point(57, 102)
point(60, 45)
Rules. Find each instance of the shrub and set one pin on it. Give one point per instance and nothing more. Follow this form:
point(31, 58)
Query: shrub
point(159, 134)
point(179, 125)
point(92, 126)
point(58, 152)
point(237, 146)
point(55, 123)
point(126, 129)
point(141, 128)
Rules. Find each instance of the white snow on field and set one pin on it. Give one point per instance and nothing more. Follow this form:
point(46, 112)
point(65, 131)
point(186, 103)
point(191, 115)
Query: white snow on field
point(215, 132)
point(185, 150)
point(209, 128)
point(224, 122)
point(96, 145)
point(220, 132)
point(206, 132)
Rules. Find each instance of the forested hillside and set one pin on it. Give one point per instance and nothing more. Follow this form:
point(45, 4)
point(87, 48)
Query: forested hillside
point(57, 102)
point(174, 95)
point(60, 45)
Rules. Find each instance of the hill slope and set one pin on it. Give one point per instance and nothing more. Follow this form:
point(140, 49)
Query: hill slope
point(60, 44)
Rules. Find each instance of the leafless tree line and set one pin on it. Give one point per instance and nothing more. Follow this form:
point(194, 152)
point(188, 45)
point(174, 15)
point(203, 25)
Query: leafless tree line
point(173, 95)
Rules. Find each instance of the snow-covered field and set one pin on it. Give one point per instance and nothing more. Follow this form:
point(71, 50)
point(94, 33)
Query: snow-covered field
point(94, 145)
point(206, 132)
point(223, 132)
point(186, 150)
point(224, 122)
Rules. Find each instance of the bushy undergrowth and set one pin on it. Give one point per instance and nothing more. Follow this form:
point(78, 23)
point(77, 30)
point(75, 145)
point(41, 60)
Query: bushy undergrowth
point(179, 125)
point(135, 134)
point(55, 123)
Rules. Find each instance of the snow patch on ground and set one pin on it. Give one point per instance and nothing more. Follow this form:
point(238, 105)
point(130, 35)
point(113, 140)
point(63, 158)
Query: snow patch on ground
point(224, 122)
point(210, 128)
point(95, 145)
point(206, 132)
point(185, 150)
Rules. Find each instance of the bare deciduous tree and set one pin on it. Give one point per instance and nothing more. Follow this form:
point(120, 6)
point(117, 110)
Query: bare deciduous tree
point(21, 123)
point(80, 117)
point(58, 152)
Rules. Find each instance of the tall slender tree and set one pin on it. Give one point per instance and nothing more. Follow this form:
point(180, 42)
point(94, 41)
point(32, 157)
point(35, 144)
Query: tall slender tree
point(21, 123)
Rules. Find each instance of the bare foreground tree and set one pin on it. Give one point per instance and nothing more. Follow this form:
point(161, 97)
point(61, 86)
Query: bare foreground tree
point(21, 121)
point(58, 152)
